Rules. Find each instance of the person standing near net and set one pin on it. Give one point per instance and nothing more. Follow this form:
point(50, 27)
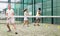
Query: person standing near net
point(37, 18)
point(10, 18)
point(26, 21)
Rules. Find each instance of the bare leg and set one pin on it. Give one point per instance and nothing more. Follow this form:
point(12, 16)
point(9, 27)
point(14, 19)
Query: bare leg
point(15, 28)
point(36, 23)
point(24, 23)
point(27, 23)
point(8, 27)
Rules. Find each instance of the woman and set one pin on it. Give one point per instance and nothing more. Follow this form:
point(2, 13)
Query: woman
point(26, 21)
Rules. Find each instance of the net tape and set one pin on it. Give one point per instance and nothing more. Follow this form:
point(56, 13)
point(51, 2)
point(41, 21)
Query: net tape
point(34, 16)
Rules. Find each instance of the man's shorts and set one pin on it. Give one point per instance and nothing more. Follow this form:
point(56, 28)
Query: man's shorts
point(10, 20)
point(37, 20)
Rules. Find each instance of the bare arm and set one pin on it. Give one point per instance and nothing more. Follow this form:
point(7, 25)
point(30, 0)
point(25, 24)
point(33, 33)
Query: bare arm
point(39, 12)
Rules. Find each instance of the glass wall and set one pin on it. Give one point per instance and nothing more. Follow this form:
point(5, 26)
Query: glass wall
point(21, 5)
point(47, 10)
point(56, 11)
point(3, 6)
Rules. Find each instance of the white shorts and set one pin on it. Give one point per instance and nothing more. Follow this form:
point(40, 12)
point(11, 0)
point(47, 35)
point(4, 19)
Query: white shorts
point(10, 20)
point(25, 18)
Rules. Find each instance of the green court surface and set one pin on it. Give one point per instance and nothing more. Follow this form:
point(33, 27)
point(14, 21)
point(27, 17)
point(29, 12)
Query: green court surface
point(42, 30)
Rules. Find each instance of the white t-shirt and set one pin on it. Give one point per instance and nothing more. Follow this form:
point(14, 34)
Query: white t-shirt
point(9, 12)
point(37, 13)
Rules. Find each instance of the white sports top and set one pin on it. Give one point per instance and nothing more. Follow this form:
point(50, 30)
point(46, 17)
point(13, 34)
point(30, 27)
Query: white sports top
point(25, 15)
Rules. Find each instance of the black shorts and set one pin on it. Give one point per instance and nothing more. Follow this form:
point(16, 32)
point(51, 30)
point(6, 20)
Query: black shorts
point(37, 20)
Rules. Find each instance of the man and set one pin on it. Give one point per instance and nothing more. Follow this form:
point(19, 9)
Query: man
point(10, 18)
point(37, 19)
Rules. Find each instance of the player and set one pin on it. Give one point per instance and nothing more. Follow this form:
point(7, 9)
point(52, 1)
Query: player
point(26, 21)
point(37, 19)
point(10, 18)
